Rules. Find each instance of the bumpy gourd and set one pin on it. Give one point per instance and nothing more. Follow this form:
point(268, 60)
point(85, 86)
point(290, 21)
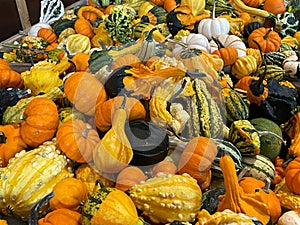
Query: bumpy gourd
point(166, 198)
point(30, 176)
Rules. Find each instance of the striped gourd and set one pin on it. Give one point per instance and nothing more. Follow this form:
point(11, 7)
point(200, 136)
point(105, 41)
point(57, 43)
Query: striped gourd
point(274, 58)
point(245, 137)
point(236, 107)
point(139, 28)
point(76, 43)
point(244, 66)
point(259, 167)
point(226, 147)
point(273, 71)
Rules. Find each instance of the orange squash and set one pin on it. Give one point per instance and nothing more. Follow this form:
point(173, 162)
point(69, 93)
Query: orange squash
point(77, 140)
point(274, 6)
point(12, 142)
point(166, 166)
point(84, 27)
point(81, 61)
point(129, 176)
point(4, 64)
point(47, 34)
point(10, 78)
point(196, 159)
point(61, 217)
point(69, 193)
point(40, 121)
point(292, 176)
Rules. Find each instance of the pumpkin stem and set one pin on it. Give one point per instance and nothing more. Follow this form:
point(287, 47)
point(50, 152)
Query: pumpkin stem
point(2, 138)
point(267, 186)
point(73, 65)
point(183, 85)
point(267, 34)
point(214, 10)
point(242, 173)
point(86, 131)
point(177, 42)
point(218, 42)
point(150, 35)
point(262, 133)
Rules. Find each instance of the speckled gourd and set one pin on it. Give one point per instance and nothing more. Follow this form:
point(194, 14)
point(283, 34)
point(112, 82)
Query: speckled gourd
point(31, 175)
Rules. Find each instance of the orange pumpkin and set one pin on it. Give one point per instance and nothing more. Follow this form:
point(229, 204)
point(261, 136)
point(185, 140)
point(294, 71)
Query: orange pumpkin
point(40, 121)
point(81, 61)
point(10, 78)
point(196, 159)
point(130, 176)
point(69, 193)
point(126, 60)
point(165, 166)
point(253, 3)
point(4, 65)
point(11, 142)
point(268, 39)
point(47, 34)
point(169, 5)
point(274, 6)
point(84, 27)
point(292, 176)
point(227, 54)
point(105, 111)
point(77, 140)
point(84, 91)
point(61, 217)
point(158, 2)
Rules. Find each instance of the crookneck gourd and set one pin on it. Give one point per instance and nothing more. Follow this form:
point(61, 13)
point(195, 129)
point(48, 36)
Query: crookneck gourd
point(236, 199)
point(30, 176)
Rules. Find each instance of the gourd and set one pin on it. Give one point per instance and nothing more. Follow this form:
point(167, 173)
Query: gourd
point(76, 43)
point(244, 66)
point(196, 160)
point(236, 199)
point(113, 153)
point(60, 217)
point(177, 197)
point(23, 183)
point(11, 142)
point(63, 24)
point(50, 11)
point(291, 65)
point(289, 217)
point(292, 176)
point(128, 177)
point(213, 27)
point(47, 34)
point(77, 140)
point(268, 39)
point(40, 121)
point(165, 166)
point(84, 91)
point(291, 128)
point(4, 64)
point(109, 206)
point(81, 61)
point(69, 193)
point(10, 78)
point(275, 7)
point(126, 60)
point(84, 27)
point(228, 55)
point(156, 15)
point(253, 3)
point(197, 7)
point(271, 71)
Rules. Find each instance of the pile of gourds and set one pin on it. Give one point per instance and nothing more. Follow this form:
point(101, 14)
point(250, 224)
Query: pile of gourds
point(153, 112)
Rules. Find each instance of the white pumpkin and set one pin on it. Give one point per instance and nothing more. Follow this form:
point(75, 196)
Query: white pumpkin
point(191, 41)
point(289, 218)
point(213, 27)
point(232, 41)
point(291, 64)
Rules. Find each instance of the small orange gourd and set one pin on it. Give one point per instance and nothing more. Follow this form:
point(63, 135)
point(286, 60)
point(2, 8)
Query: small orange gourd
point(84, 27)
point(81, 61)
point(166, 166)
point(130, 176)
point(47, 34)
point(4, 64)
point(61, 217)
point(292, 176)
point(274, 6)
point(69, 193)
point(10, 78)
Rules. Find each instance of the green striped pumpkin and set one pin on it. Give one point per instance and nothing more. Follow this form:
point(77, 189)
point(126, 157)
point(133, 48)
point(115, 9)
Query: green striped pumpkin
point(226, 147)
point(245, 137)
point(273, 71)
point(236, 107)
point(259, 166)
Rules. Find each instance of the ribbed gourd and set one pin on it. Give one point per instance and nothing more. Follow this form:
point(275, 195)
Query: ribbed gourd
point(30, 176)
point(166, 198)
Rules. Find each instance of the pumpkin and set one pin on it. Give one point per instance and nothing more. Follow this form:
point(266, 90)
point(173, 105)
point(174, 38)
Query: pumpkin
point(84, 27)
point(81, 61)
point(104, 112)
point(40, 121)
point(229, 41)
point(25, 172)
point(291, 128)
point(90, 13)
point(213, 27)
point(10, 78)
point(253, 185)
point(126, 60)
point(75, 43)
point(196, 159)
point(229, 55)
point(11, 142)
point(244, 66)
point(47, 34)
point(268, 39)
point(251, 27)
point(236, 199)
point(69, 193)
point(60, 217)
point(77, 140)
point(84, 91)
point(129, 177)
point(4, 64)
point(109, 206)
point(197, 41)
point(113, 153)
point(177, 197)
point(165, 166)
point(289, 217)
point(275, 7)
point(292, 176)
point(253, 3)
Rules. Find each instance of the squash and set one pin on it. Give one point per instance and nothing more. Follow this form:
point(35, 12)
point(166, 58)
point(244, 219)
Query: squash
point(289, 217)
point(113, 153)
point(275, 7)
point(253, 3)
point(165, 166)
point(77, 140)
point(244, 66)
point(60, 217)
point(291, 128)
point(128, 177)
point(104, 112)
point(81, 61)
point(40, 121)
point(177, 197)
point(76, 43)
point(268, 39)
point(10, 78)
point(69, 193)
point(213, 27)
point(228, 55)
point(11, 142)
point(109, 206)
point(292, 176)
point(4, 64)
point(84, 91)
point(25, 172)
point(83, 26)
point(63, 24)
point(47, 34)
point(196, 160)
point(236, 199)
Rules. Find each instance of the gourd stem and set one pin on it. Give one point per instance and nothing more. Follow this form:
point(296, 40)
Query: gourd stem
point(267, 186)
point(262, 133)
point(2, 138)
point(214, 10)
point(85, 133)
point(242, 173)
point(218, 42)
point(266, 36)
point(150, 34)
point(177, 42)
point(123, 104)
point(73, 65)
